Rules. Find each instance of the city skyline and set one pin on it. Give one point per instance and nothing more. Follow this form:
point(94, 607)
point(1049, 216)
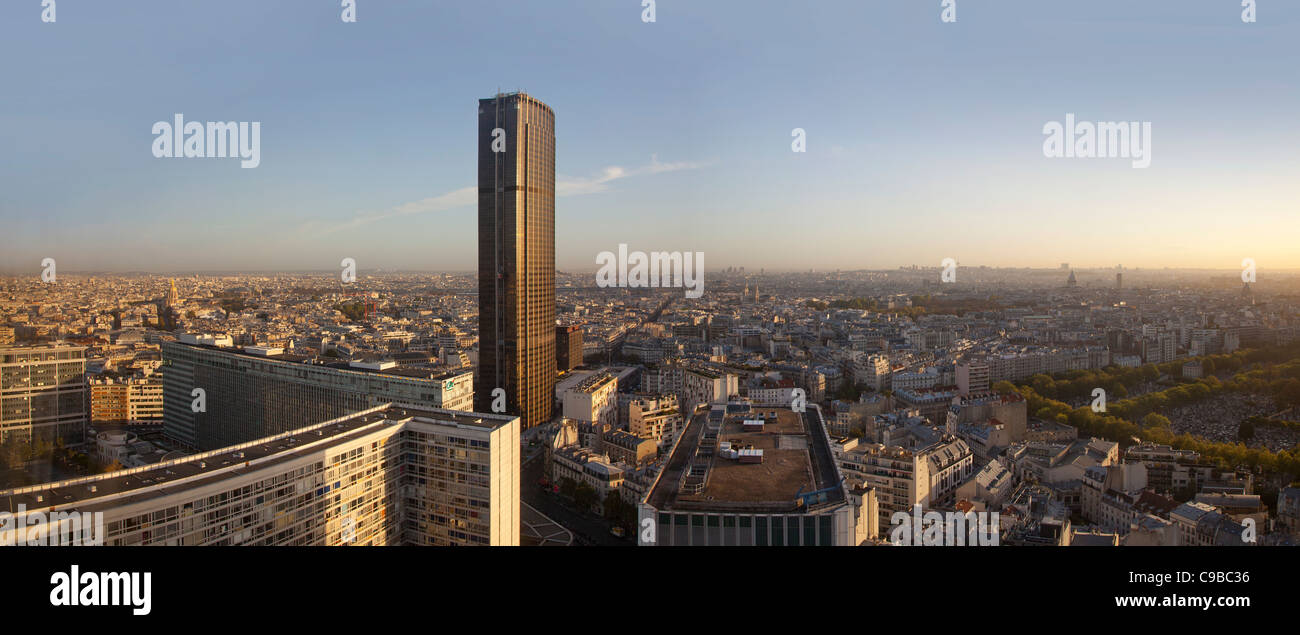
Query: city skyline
point(661, 145)
point(647, 273)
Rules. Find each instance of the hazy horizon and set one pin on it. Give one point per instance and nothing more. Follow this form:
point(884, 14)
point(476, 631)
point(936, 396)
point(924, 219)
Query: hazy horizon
point(712, 270)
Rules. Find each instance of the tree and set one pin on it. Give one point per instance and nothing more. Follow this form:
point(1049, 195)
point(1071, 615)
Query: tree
point(41, 447)
point(613, 505)
point(849, 393)
point(1154, 420)
point(1004, 387)
point(584, 496)
point(15, 452)
point(568, 486)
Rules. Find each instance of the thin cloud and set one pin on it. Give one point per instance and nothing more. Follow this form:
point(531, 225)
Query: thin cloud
point(468, 196)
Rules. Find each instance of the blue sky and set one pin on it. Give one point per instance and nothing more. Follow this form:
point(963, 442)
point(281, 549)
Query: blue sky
point(924, 138)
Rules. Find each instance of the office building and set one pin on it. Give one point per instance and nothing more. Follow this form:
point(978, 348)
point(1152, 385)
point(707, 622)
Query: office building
point(255, 392)
point(43, 393)
point(516, 255)
point(749, 476)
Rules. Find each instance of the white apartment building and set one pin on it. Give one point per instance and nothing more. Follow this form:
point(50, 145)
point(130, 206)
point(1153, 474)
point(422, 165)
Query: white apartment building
point(904, 477)
point(656, 418)
point(392, 474)
point(872, 371)
point(973, 378)
point(906, 380)
point(692, 386)
point(1108, 495)
point(593, 400)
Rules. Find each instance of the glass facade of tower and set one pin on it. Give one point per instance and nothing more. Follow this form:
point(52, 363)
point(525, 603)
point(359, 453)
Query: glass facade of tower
point(516, 208)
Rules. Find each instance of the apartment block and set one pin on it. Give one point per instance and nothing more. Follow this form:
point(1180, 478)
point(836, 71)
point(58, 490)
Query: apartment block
point(137, 399)
point(389, 475)
point(904, 477)
point(655, 417)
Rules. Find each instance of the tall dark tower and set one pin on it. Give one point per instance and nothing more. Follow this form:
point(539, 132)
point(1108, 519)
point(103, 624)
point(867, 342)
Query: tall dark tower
point(516, 255)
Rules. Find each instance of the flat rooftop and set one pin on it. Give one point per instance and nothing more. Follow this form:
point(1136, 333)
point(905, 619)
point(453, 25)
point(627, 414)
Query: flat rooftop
point(796, 460)
point(400, 371)
point(408, 372)
point(124, 487)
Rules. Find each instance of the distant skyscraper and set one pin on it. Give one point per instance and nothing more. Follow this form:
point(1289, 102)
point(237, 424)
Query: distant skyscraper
point(1119, 281)
point(568, 347)
point(516, 255)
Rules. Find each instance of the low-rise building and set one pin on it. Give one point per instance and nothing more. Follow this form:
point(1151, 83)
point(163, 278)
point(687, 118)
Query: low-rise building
point(727, 484)
point(593, 400)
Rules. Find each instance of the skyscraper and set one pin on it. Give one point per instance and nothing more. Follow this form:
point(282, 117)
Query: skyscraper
point(516, 255)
